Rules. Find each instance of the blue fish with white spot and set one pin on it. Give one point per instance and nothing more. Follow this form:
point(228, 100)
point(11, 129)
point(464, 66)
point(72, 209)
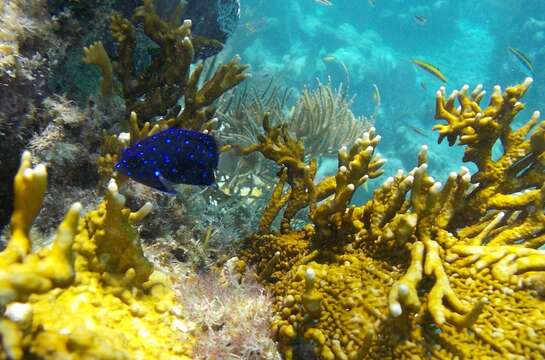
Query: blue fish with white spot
point(172, 156)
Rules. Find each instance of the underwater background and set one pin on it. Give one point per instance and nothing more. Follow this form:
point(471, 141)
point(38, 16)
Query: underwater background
point(303, 179)
point(364, 43)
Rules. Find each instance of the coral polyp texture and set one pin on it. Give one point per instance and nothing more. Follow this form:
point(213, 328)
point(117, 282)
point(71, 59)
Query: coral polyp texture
point(423, 269)
point(90, 295)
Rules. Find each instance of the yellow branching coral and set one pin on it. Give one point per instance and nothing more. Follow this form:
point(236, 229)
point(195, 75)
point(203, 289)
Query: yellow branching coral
point(155, 91)
point(423, 269)
point(279, 146)
point(335, 216)
point(22, 272)
point(95, 54)
point(478, 129)
point(355, 167)
point(92, 293)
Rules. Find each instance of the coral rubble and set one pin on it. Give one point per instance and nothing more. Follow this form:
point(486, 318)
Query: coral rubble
point(423, 269)
point(92, 293)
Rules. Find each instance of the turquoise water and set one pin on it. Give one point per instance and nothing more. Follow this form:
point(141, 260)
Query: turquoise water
point(360, 44)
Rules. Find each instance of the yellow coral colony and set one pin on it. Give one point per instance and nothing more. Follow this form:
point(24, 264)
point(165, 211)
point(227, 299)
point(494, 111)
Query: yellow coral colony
point(91, 294)
point(95, 54)
point(424, 269)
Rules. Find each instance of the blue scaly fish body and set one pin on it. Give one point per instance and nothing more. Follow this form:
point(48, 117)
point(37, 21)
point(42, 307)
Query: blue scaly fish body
point(172, 156)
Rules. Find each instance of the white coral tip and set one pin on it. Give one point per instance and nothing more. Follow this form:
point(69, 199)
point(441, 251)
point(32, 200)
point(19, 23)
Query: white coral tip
point(436, 188)
point(112, 187)
point(124, 136)
point(408, 180)
point(310, 274)
point(26, 156)
point(388, 182)
point(76, 207)
point(40, 170)
point(146, 209)
point(403, 289)
point(27, 174)
point(18, 312)
point(422, 168)
point(395, 309)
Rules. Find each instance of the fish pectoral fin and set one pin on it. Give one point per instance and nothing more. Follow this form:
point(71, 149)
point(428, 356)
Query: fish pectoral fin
point(169, 186)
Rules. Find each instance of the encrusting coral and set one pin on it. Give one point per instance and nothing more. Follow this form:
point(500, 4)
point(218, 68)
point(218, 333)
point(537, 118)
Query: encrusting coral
point(423, 269)
point(92, 293)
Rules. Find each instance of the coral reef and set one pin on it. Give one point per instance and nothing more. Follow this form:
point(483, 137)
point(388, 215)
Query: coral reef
point(152, 95)
point(321, 118)
point(41, 36)
point(21, 84)
point(155, 90)
point(92, 294)
point(422, 269)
